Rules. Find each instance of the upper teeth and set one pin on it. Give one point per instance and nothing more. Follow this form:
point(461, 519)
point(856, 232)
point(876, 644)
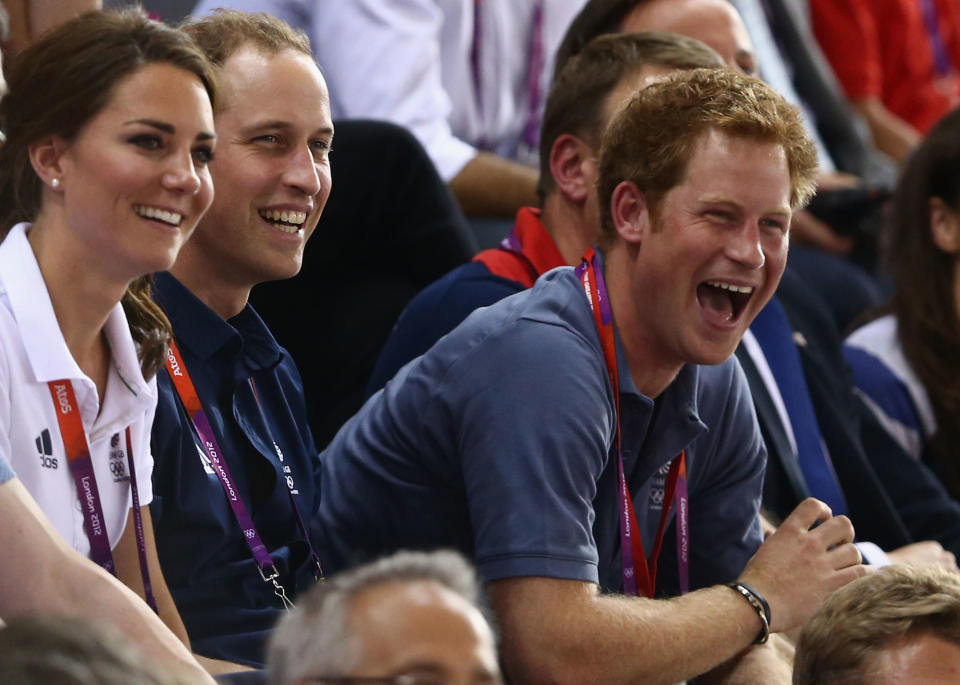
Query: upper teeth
point(284, 216)
point(732, 288)
point(172, 218)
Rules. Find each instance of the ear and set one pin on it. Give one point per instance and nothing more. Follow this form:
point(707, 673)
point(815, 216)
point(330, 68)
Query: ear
point(573, 167)
point(46, 158)
point(630, 213)
point(944, 226)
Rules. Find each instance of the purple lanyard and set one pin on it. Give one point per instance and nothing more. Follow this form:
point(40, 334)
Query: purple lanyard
point(291, 486)
point(187, 393)
point(639, 572)
point(531, 132)
point(932, 24)
point(81, 467)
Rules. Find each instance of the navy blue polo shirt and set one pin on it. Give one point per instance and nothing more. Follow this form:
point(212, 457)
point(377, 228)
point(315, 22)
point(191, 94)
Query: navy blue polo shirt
point(227, 608)
point(497, 442)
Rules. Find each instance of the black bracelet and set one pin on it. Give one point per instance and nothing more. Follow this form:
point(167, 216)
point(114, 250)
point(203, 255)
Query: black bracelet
point(759, 604)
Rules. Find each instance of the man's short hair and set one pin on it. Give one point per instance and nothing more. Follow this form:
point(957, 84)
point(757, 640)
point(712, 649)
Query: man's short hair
point(37, 650)
point(224, 31)
point(597, 18)
point(652, 138)
point(315, 638)
point(577, 97)
point(857, 621)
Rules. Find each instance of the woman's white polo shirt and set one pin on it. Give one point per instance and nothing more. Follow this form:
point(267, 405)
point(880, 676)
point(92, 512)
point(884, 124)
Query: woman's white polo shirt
point(34, 352)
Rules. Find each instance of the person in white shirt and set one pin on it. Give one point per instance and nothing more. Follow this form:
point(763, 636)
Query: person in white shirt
point(469, 79)
point(109, 124)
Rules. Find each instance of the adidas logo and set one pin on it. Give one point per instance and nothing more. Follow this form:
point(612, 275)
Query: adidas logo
point(45, 449)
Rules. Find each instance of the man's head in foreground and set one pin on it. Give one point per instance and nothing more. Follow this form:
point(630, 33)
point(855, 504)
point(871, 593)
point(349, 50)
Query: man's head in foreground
point(900, 625)
point(411, 614)
point(272, 173)
point(699, 175)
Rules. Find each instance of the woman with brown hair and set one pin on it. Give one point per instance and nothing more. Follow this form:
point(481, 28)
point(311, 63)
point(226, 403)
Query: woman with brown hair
point(907, 362)
point(109, 125)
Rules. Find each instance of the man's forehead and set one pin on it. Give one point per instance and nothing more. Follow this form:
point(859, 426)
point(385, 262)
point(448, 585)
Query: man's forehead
point(255, 83)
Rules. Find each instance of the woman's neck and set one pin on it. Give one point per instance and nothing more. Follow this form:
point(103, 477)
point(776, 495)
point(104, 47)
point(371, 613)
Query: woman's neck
point(82, 294)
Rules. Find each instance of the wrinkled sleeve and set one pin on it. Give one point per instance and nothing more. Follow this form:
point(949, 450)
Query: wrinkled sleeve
point(381, 59)
point(534, 434)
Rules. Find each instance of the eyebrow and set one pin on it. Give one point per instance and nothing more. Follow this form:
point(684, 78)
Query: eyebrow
point(279, 124)
point(721, 200)
point(168, 128)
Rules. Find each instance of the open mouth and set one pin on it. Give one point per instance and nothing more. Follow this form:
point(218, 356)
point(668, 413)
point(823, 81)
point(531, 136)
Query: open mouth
point(726, 300)
point(157, 214)
point(286, 221)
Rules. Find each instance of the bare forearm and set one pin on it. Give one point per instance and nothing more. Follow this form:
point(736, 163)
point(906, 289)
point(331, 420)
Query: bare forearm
point(555, 635)
point(494, 186)
point(892, 135)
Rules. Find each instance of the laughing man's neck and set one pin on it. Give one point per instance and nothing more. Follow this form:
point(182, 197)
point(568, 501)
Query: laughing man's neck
point(650, 375)
point(226, 299)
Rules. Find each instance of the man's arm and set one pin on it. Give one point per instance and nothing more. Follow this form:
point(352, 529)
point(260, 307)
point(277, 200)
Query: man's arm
point(42, 573)
point(564, 631)
point(891, 134)
point(494, 186)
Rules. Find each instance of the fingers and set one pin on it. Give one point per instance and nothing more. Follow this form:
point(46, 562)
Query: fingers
point(807, 513)
point(835, 531)
point(845, 555)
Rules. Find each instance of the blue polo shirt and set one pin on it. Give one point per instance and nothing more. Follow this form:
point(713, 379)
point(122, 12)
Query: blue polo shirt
point(497, 442)
point(226, 606)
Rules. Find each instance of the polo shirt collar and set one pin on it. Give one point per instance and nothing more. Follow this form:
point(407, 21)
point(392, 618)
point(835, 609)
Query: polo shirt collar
point(44, 344)
point(206, 334)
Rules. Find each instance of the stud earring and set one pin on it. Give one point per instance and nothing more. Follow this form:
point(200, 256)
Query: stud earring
point(55, 183)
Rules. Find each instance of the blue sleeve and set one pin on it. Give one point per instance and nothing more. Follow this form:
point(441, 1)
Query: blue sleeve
point(534, 430)
point(888, 398)
point(434, 312)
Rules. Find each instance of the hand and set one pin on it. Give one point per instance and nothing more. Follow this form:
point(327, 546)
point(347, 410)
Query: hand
point(926, 553)
point(798, 565)
point(807, 229)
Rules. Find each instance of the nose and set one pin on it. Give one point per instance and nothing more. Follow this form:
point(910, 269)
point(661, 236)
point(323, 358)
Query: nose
point(744, 246)
point(302, 172)
point(181, 174)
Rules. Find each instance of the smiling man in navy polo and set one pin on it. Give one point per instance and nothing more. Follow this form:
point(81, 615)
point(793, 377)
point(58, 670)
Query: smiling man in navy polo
point(235, 461)
point(548, 429)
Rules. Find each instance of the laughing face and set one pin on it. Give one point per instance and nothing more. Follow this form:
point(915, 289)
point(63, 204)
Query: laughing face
point(134, 179)
point(714, 250)
point(272, 170)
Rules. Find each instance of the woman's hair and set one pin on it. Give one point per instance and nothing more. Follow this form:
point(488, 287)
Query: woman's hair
point(924, 302)
point(59, 84)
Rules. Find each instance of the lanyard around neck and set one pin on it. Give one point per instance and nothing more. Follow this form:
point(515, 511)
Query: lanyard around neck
point(81, 467)
point(187, 392)
point(639, 571)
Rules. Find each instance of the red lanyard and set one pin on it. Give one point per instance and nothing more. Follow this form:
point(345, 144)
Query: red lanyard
point(639, 571)
point(187, 392)
point(81, 467)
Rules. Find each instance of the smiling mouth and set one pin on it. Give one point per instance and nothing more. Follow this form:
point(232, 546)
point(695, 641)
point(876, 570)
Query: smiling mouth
point(725, 299)
point(157, 214)
point(286, 221)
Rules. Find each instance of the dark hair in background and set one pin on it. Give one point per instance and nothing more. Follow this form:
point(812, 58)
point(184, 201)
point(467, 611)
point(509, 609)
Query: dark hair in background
point(595, 19)
point(60, 83)
point(923, 301)
point(577, 100)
